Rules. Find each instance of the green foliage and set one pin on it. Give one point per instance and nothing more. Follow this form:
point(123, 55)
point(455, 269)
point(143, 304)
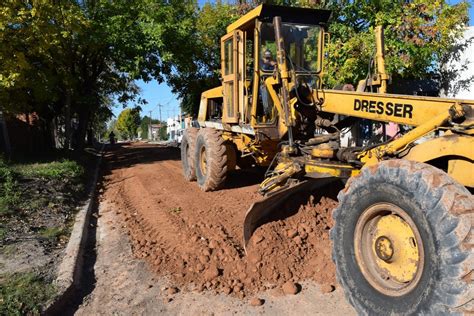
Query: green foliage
point(144, 124)
point(24, 294)
point(197, 64)
point(3, 232)
point(162, 133)
point(417, 36)
point(176, 210)
point(52, 232)
point(51, 170)
point(66, 59)
point(9, 193)
point(128, 122)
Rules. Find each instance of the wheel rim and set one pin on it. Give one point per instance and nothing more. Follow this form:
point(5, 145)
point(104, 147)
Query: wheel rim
point(389, 249)
point(203, 160)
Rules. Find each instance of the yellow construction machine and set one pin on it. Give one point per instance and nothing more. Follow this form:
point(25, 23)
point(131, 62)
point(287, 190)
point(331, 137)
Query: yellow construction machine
point(402, 237)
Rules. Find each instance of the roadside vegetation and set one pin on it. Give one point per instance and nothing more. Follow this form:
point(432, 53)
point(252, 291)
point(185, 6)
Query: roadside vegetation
point(38, 203)
point(24, 293)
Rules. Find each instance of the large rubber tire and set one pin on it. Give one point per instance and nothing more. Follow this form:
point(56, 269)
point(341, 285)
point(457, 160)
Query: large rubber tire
point(211, 145)
point(442, 211)
point(187, 153)
point(231, 152)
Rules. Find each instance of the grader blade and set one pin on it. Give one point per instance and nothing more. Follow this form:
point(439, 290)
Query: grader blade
point(262, 212)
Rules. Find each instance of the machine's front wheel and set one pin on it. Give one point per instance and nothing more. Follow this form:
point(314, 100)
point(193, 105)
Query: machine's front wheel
point(187, 153)
point(210, 159)
point(401, 240)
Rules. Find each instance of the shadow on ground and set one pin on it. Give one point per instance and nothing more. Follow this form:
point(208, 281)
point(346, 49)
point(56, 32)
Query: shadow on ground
point(125, 155)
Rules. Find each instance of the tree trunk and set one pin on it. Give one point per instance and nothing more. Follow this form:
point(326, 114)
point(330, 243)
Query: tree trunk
point(84, 116)
point(6, 138)
point(67, 120)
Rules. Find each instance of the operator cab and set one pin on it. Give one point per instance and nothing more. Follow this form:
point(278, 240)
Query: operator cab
point(248, 59)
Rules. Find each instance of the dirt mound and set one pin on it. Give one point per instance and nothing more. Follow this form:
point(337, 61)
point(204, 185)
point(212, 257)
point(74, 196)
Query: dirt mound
point(296, 248)
point(195, 238)
point(293, 249)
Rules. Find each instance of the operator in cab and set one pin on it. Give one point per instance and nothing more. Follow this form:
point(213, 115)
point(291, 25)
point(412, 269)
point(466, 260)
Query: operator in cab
point(268, 63)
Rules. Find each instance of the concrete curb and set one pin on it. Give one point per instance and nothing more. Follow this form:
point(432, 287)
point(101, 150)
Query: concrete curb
point(70, 269)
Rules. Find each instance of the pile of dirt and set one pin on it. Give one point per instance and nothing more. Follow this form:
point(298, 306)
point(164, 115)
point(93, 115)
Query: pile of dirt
point(295, 248)
point(207, 257)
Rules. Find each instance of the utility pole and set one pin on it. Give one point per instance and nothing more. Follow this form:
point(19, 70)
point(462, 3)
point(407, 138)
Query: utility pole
point(150, 136)
point(159, 106)
point(159, 130)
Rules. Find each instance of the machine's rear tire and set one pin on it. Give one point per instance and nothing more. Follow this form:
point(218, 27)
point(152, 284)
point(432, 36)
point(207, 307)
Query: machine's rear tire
point(419, 201)
point(210, 159)
point(231, 152)
point(187, 153)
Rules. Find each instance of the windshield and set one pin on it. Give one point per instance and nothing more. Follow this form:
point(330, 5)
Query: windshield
point(301, 45)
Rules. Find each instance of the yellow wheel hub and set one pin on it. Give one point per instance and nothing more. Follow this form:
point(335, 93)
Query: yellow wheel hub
point(388, 249)
point(395, 248)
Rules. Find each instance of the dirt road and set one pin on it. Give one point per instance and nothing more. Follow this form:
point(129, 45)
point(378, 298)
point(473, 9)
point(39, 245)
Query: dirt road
point(165, 246)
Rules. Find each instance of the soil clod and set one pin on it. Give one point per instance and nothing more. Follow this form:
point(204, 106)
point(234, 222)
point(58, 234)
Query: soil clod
point(256, 301)
point(290, 288)
point(327, 288)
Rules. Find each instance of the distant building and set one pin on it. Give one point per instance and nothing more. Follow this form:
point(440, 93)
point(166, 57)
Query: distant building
point(154, 131)
point(176, 126)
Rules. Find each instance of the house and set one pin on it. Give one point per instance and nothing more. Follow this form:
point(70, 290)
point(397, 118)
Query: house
point(176, 126)
point(154, 131)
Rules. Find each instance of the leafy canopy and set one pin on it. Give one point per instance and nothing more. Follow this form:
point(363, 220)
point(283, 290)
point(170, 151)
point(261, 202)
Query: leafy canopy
point(128, 122)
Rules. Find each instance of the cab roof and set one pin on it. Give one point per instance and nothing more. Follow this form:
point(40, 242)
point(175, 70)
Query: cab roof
point(266, 13)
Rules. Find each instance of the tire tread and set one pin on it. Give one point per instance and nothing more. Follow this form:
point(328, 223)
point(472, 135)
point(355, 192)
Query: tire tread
point(455, 290)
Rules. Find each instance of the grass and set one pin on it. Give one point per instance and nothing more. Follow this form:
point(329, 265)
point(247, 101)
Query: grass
point(50, 170)
point(3, 232)
point(24, 293)
point(176, 210)
point(9, 193)
point(33, 194)
point(52, 232)
point(8, 251)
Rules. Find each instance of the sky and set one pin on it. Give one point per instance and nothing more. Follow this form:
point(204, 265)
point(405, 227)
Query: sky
point(156, 93)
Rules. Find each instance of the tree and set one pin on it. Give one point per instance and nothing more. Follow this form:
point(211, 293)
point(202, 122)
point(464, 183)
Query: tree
point(417, 36)
point(196, 62)
point(66, 59)
point(128, 122)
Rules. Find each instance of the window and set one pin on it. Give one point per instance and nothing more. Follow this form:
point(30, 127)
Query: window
point(301, 45)
point(229, 95)
point(228, 57)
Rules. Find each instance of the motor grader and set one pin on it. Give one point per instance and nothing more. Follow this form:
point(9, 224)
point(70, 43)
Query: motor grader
point(402, 236)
